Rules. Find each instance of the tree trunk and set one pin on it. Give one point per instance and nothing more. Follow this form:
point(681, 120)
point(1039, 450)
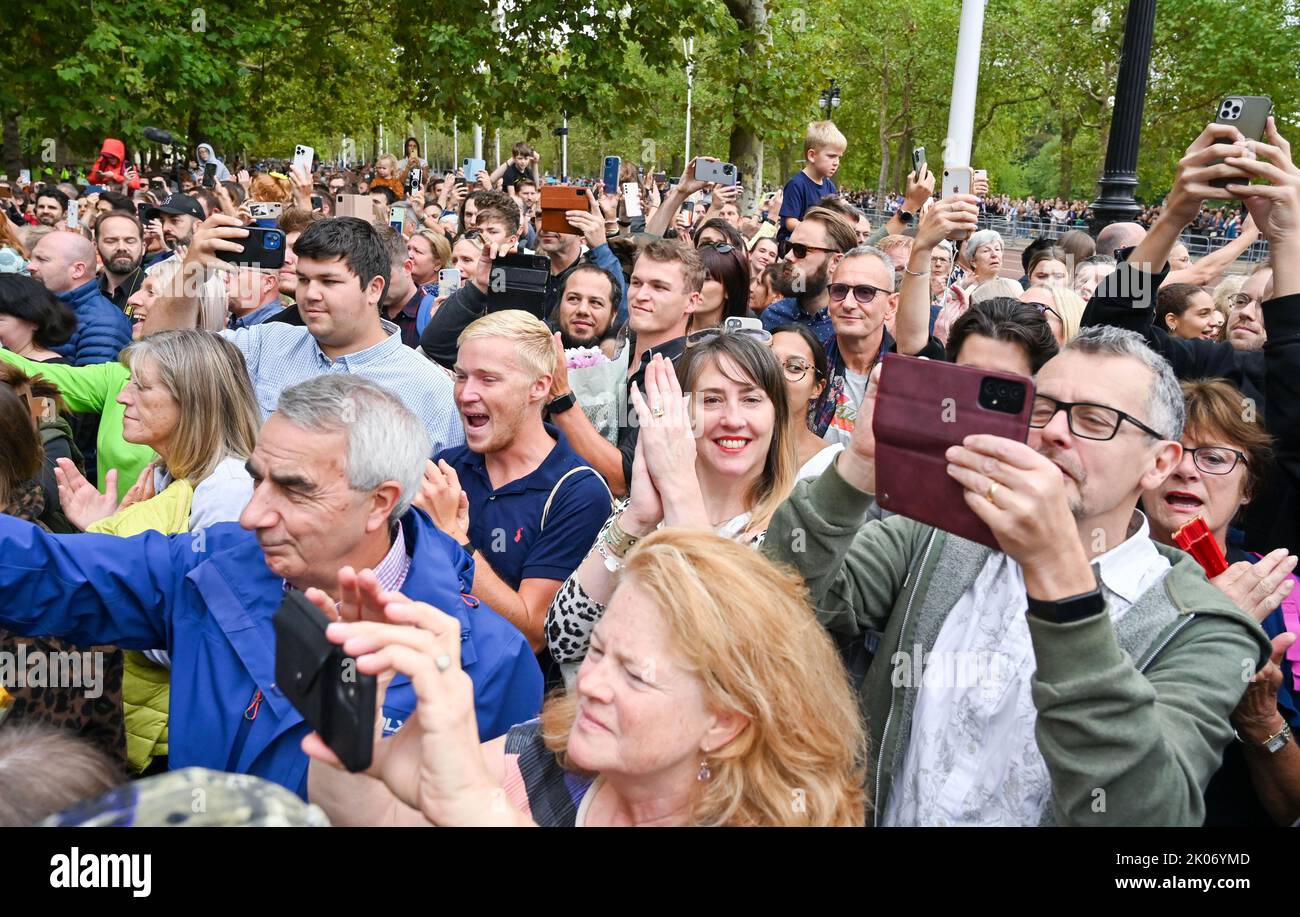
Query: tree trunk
point(784, 157)
point(11, 154)
point(744, 146)
point(1069, 130)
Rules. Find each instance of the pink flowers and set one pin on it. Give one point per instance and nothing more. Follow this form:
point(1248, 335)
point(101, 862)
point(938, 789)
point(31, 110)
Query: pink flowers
point(582, 357)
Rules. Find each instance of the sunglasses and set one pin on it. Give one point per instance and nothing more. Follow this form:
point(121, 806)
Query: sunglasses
point(862, 292)
point(695, 338)
point(722, 248)
point(800, 250)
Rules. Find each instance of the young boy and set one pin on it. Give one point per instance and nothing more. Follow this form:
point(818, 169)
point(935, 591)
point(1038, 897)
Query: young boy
point(522, 165)
point(823, 148)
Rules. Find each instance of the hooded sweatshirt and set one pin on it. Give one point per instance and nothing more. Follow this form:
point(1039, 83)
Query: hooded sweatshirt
point(223, 174)
point(103, 173)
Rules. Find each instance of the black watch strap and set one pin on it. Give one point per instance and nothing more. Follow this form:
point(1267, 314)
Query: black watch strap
point(907, 216)
point(562, 404)
point(467, 546)
point(1071, 609)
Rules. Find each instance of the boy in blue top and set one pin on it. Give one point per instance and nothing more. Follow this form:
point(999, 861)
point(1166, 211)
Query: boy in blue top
point(823, 149)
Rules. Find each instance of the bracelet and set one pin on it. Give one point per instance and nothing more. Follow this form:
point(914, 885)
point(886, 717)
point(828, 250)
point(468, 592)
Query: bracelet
point(618, 540)
point(611, 562)
point(908, 270)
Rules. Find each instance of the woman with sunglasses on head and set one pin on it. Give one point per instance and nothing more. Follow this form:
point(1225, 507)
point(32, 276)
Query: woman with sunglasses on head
point(717, 231)
point(726, 287)
point(1226, 458)
point(721, 459)
point(1062, 308)
point(803, 360)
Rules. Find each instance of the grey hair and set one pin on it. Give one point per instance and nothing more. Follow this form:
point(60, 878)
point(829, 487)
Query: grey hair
point(979, 240)
point(998, 286)
point(386, 440)
point(1165, 405)
point(860, 251)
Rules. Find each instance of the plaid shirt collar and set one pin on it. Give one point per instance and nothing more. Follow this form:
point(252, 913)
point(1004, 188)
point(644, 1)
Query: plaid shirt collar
point(392, 570)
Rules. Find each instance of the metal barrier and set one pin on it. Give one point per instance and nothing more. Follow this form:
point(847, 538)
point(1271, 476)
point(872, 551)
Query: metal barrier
point(1198, 244)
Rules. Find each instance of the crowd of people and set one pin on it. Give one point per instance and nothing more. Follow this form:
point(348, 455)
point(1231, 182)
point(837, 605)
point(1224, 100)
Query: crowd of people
point(613, 549)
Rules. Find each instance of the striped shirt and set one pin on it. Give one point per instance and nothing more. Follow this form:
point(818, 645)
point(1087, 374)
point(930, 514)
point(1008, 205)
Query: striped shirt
point(280, 355)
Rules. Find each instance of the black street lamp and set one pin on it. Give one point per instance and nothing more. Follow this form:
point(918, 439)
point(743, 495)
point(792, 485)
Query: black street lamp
point(831, 99)
point(1115, 201)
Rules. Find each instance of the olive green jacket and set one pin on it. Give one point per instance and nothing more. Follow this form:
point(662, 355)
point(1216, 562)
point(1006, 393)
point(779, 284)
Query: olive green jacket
point(1132, 717)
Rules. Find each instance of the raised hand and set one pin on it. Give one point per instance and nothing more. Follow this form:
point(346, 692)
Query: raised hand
point(78, 498)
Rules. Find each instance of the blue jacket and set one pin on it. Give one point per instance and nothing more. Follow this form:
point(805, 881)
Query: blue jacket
point(208, 598)
point(102, 328)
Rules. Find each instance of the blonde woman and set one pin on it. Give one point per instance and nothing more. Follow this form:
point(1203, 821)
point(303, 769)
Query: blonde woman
point(710, 697)
point(1062, 307)
point(1228, 288)
point(722, 460)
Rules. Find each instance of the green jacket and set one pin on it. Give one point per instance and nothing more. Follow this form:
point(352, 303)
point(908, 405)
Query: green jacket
point(1132, 718)
point(93, 390)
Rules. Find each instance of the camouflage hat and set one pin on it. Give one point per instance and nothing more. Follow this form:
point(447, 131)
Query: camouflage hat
point(194, 797)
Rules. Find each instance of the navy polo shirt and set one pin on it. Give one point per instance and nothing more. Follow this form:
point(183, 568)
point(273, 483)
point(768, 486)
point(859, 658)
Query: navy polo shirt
point(505, 524)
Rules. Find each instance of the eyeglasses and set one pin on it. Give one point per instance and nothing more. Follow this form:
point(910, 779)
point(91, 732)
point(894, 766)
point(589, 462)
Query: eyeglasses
point(1086, 420)
point(722, 248)
point(695, 338)
point(800, 250)
point(1242, 300)
point(1215, 459)
point(795, 369)
point(862, 292)
point(1044, 309)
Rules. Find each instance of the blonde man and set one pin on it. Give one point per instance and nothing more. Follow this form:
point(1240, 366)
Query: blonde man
point(516, 496)
point(824, 146)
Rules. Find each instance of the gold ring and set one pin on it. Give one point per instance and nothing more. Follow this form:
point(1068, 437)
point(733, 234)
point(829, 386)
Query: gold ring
point(992, 491)
point(657, 411)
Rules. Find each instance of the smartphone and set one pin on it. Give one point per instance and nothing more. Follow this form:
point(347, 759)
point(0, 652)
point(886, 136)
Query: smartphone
point(555, 200)
point(735, 323)
point(398, 215)
point(661, 177)
point(448, 280)
point(1248, 114)
point(918, 159)
point(718, 173)
point(303, 156)
point(977, 176)
point(472, 167)
point(354, 205)
point(632, 199)
point(6, 193)
point(141, 208)
point(317, 202)
point(414, 180)
point(322, 682)
point(957, 180)
point(25, 176)
point(74, 210)
point(610, 176)
point(209, 174)
point(518, 281)
point(263, 248)
point(265, 213)
point(922, 408)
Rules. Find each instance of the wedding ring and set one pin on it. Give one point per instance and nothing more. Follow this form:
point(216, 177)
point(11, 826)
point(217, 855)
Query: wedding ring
point(443, 662)
point(992, 491)
point(657, 411)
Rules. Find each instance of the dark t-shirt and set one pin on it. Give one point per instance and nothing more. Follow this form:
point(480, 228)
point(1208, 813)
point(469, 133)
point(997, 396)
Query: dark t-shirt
point(513, 176)
point(801, 192)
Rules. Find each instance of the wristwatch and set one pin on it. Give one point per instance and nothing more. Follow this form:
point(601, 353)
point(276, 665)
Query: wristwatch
point(467, 546)
point(562, 404)
point(907, 216)
point(1274, 743)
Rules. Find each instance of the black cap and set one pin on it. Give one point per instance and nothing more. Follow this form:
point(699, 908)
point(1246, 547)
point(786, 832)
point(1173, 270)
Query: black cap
point(176, 204)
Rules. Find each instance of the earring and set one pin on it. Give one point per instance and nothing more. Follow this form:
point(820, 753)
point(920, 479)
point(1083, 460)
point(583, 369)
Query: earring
point(705, 775)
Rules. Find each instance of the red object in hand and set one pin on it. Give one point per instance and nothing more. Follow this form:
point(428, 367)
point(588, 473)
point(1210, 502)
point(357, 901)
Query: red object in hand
point(1196, 540)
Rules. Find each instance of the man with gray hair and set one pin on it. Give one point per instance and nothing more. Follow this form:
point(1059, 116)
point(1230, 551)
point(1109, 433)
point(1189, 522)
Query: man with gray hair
point(334, 472)
point(1081, 675)
point(863, 300)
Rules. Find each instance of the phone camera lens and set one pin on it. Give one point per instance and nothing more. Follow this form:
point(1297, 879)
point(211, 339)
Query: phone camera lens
point(272, 241)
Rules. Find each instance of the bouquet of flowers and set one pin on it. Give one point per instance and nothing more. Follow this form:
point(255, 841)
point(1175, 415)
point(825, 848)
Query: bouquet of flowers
point(582, 357)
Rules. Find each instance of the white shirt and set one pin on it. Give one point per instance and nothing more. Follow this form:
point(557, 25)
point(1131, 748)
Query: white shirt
point(819, 462)
point(972, 758)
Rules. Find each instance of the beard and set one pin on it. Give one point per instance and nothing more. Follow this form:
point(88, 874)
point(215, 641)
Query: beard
point(48, 219)
point(788, 280)
point(571, 341)
point(1070, 466)
point(121, 264)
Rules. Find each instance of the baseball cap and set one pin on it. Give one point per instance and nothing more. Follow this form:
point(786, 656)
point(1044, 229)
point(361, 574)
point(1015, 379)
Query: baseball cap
point(176, 204)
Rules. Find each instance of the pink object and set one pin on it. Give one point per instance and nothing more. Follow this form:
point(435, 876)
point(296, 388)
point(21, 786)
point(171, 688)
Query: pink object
point(582, 357)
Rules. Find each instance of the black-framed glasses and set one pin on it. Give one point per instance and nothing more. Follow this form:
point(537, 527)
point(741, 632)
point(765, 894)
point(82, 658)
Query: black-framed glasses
point(795, 369)
point(1043, 309)
point(1086, 420)
point(722, 248)
point(864, 293)
point(800, 250)
point(1216, 459)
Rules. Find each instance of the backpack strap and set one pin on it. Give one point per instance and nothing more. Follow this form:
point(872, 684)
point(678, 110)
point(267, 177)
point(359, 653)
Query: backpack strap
point(556, 489)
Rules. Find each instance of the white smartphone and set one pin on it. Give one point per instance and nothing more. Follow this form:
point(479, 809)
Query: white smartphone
point(957, 180)
point(448, 280)
point(74, 210)
point(303, 156)
point(632, 199)
point(398, 215)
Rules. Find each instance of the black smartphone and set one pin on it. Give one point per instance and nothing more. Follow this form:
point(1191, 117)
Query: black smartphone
point(518, 281)
point(323, 683)
point(1248, 114)
point(209, 174)
point(263, 248)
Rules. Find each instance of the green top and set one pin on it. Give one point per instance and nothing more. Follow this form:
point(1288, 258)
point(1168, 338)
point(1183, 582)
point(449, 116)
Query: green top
point(93, 390)
point(1137, 708)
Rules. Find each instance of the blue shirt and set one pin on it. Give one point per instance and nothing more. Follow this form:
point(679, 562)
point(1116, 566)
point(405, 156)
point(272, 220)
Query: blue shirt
point(800, 193)
point(257, 316)
point(280, 355)
point(208, 599)
point(788, 312)
point(505, 523)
